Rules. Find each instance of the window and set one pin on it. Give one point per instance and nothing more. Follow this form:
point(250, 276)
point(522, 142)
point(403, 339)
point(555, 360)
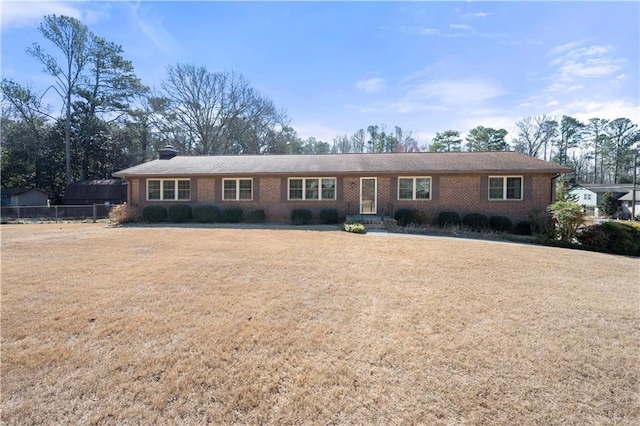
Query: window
point(414, 188)
point(312, 189)
point(505, 187)
point(587, 196)
point(169, 189)
point(237, 189)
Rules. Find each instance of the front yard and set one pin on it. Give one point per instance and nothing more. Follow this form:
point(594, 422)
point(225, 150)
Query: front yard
point(196, 324)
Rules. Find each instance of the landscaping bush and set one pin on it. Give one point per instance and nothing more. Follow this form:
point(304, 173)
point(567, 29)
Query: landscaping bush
point(124, 213)
point(256, 216)
point(569, 216)
point(301, 216)
point(406, 217)
point(500, 223)
point(154, 213)
point(179, 213)
point(448, 219)
point(476, 221)
point(329, 216)
point(232, 215)
point(356, 228)
point(206, 214)
point(523, 228)
point(616, 237)
point(424, 217)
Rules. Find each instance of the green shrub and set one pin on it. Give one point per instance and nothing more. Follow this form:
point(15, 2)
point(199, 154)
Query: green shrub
point(448, 219)
point(329, 216)
point(231, 215)
point(539, 221)
point(476, 221)
point(406, 217)
point(124, 213)
point(301, 216)
point(569, 216)
point(523, 228)
point(424, 217)
point(179, 213)
point(500, 223)
point(356, 228)
point(206, 214)
point(593, 236)
point(616, 237)
point(154, 213)
point(256, 216)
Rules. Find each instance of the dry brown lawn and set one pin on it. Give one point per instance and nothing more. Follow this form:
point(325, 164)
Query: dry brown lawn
point(188, 325)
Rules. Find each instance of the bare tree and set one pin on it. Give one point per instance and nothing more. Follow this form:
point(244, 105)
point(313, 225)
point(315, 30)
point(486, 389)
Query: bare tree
point(220, 112)
point(535, 134)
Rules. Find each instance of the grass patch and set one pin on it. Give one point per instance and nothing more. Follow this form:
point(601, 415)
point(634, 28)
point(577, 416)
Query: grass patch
point(201, 325)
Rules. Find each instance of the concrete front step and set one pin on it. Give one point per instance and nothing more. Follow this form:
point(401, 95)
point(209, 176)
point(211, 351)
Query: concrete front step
point(374, 222)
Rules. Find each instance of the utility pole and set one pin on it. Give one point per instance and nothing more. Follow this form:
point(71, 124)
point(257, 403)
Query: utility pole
point(635, 186)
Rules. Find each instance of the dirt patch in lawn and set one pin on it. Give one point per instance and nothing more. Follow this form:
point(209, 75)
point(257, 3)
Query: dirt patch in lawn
point(289, 326)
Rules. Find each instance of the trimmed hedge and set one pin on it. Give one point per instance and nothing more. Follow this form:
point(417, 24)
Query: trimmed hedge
point(154, 213)
point(301, 216)
point(476, 221)
point(616, 237)
point(179, 213)
point(206, 214)
point(523, 228)
point(329, 216)
point(256, 216)
point(448, 219)
point(232, 215)
point(500, 223)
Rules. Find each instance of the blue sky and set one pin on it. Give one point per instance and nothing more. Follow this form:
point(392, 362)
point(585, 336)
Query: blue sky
point(336, 67)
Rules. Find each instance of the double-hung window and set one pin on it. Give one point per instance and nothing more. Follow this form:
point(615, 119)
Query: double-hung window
point(237, 189)
point(312, 188)
point(414, 188)
point(505, 187)
point(168, 189)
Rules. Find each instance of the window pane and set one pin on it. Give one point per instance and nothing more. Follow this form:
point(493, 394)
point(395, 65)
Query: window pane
point(311, 189)
point(168, 189)
point(405, 191)
point(495, 188)
point(184, 190)
point(295, 189)
point(153, 191)
point(514, 188)
point(229, 192)
point(423, 188)
point(328, 189)
point(245, 189)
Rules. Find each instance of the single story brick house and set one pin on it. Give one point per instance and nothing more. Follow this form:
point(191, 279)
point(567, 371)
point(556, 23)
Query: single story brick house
point(492, 183)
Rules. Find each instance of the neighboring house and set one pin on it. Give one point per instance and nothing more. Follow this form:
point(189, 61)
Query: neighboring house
point(627, 201)
point(492, 183)
point(103, 191)
point(12, 197)
point(590, 195)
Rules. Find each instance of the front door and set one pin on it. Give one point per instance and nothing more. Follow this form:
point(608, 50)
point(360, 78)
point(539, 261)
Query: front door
point(368, 192)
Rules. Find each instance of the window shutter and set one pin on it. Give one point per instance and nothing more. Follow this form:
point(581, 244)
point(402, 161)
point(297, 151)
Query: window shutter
point(435, 188)
point(394, 188)
point(339, 182)
point(283, 189)
point(484, 188)
point(256, 189)
point(527, 187)
point(217, 189)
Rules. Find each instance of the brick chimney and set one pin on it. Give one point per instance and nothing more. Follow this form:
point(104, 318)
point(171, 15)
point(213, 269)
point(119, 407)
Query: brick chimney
point(167, 152)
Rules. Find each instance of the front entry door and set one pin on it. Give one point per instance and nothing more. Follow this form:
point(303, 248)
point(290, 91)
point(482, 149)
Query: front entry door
point(368, 196)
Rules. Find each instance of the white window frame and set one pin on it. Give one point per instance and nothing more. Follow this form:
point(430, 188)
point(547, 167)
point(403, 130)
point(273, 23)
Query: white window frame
point(176, 190)
point(237, 182)
point(504, 187)
point(304, 188)
point(414, 188)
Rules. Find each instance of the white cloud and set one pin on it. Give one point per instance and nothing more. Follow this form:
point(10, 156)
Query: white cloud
point(610, 109)
point(29, 13)
point(574, 63)
point(318, 130)
point(153, 28)
point(371, 85)
point(464, 27)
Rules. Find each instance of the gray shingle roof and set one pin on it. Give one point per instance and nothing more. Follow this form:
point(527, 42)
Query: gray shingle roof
point(396, 163)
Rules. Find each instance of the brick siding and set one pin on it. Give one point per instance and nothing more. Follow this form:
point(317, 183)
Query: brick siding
point(460, 193)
